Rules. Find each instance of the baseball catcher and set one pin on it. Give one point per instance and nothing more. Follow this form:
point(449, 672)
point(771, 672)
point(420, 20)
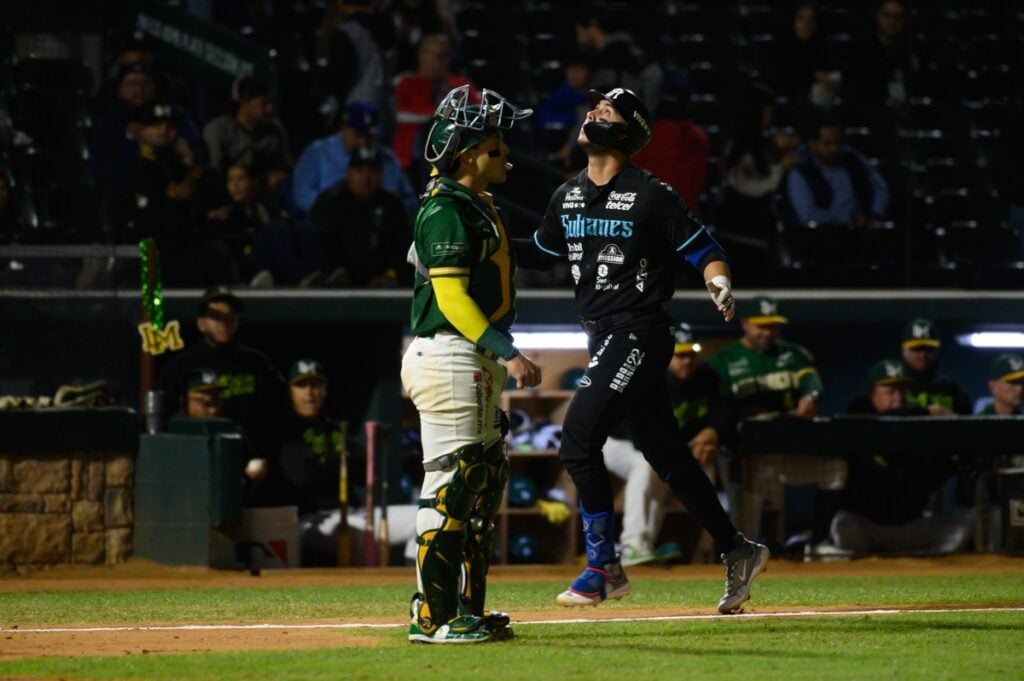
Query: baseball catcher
point(463, 306)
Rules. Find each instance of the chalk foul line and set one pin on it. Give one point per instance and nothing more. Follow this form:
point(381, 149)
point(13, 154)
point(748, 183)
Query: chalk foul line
point(579, 620)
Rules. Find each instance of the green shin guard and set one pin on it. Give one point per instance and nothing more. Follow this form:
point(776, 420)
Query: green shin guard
point(439, 564)
point(480, 542)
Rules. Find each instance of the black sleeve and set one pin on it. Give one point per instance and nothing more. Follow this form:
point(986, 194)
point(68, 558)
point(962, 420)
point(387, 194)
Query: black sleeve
point(530, 257)
point(547, 246)
point(686, 235)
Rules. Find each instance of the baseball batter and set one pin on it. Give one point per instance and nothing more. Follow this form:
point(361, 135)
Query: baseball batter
point(622, 230)
point(463, 306)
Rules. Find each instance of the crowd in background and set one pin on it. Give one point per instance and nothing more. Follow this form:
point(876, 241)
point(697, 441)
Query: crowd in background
point(825, 142)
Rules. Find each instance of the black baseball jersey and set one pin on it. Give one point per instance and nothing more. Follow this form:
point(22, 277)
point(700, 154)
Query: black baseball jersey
point(621, 239)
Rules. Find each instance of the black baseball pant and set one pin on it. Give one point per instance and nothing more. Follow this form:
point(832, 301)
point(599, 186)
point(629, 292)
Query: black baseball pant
point(625, 380)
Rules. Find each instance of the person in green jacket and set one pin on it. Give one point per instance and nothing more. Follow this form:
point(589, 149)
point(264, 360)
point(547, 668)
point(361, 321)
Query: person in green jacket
point(768, 377)
point(764, 374)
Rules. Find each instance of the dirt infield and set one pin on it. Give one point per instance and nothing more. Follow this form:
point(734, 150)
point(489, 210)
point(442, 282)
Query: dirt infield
point(139, 575)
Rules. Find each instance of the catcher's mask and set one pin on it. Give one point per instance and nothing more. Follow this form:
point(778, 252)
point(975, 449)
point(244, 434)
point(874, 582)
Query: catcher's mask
point(459, 125)
point(629, 137)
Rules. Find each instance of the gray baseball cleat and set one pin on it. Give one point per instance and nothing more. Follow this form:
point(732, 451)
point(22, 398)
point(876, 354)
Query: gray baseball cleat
point(742, 565)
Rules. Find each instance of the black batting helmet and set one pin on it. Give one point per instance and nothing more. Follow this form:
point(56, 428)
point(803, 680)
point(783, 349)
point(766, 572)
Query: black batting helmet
point(629, 137)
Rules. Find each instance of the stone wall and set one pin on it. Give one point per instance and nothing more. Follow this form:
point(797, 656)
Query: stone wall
point(65, 508)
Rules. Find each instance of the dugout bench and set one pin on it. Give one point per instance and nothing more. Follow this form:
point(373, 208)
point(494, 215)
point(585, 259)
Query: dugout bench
point(982, 440)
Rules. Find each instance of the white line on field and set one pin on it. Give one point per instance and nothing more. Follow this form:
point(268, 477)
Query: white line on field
point(580, 620)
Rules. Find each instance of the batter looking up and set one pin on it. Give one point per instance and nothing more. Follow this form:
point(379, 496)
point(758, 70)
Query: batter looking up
point(622, 228)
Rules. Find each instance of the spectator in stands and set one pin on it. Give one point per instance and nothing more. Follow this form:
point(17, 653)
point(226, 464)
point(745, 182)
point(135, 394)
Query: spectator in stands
point(753, 164)
point(418, 94)
point(704, 419)
point(414, 19)
point(767, 377)
point(618, 61)
point(883, 504)
point(260, 239)
point(888, 66)
point(158, 196)
point(355, 39)
point(8, 216)
point(363, 227)
point(1006, 383)
point(803, 67)
point(679, 148)
point(115, 136)
point(927, 387)
point(251, 389)
point(835, 184)
point(249, 134)
point(561, 113)
point(325, 161)
point(202, 401)
point(1008, 166)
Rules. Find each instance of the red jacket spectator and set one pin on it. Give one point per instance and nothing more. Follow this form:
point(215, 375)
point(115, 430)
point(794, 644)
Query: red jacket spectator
point(678, 154)
point(418, 94)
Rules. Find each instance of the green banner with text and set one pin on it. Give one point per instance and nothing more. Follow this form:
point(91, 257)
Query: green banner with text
point(199, 48)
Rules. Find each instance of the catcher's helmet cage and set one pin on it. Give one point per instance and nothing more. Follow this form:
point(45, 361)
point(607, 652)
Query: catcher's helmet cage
point(459, 125)
point(629, 137)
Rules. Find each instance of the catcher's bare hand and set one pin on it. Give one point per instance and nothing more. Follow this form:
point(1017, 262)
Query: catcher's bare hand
point(524, 371)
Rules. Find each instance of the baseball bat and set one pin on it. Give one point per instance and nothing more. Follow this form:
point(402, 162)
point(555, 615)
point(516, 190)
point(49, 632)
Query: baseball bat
point(369, 535)
point(384, 539)
point(344, 538)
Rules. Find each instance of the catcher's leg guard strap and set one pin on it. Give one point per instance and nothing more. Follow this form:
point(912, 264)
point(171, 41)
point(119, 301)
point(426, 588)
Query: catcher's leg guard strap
point(480, 543)
point(458, 498)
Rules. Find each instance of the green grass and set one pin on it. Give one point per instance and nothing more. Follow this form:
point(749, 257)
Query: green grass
point(347, 602)
point(920, 646)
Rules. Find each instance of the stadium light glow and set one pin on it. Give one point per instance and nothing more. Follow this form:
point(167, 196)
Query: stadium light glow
point(551, 340)
point(992, 339)
point(558, 340)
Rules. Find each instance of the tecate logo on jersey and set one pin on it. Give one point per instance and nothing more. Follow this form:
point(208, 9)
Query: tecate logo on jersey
point(620, 201)
point(575, 251)
point(577, 227)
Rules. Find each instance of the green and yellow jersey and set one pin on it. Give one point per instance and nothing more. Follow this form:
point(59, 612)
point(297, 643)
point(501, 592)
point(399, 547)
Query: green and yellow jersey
point(766, 382)
point(465, 269)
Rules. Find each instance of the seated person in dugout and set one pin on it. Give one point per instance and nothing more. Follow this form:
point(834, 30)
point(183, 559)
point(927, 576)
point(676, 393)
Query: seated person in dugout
point(887, 504)
point(926, 386)
point(309, 472)
point(202, 401)
point(1006, 383)
point(768, 377)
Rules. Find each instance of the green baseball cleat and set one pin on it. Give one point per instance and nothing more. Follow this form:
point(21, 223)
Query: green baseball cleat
point(462, 629)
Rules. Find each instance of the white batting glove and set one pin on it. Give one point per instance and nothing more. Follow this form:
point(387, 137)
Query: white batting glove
point(720, 288)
